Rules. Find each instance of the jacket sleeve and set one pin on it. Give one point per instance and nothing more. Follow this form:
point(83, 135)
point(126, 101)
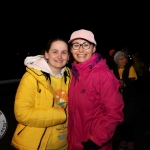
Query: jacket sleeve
point(29, 113)
point(111, 105)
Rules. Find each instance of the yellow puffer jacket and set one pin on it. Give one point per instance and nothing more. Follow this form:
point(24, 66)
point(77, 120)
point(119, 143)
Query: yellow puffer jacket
point(41, 123)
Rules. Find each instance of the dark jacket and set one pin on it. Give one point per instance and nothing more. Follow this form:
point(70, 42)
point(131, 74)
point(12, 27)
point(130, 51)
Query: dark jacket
point(129, 92)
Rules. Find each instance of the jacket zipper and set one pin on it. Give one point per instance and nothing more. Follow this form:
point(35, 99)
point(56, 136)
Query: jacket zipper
point(41, 139)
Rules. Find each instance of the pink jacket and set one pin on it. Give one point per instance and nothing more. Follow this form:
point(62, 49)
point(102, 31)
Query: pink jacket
point(95, 104)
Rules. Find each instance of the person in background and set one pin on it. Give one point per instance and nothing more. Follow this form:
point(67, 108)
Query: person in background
point(127, 76)
point(129, 55)
point(41, 100)
point(95, 104)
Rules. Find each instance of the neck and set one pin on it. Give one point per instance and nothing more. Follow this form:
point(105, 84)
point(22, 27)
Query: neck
point(120, 67)
point(56, 71)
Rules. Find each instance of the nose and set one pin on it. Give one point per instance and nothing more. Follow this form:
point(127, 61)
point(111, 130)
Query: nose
point(59, 55)
point(81, 49)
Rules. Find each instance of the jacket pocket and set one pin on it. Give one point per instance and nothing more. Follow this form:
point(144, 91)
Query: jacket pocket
point(27, 137)
point(20, 128)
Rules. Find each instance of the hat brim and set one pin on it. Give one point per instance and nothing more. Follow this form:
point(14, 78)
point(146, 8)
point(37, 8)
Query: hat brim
point(80, 38)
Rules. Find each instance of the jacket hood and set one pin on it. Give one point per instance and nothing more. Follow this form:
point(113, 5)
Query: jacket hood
point(39, 62)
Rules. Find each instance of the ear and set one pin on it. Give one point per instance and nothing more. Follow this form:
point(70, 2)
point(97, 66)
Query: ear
point(46, 55)
point(94, 49)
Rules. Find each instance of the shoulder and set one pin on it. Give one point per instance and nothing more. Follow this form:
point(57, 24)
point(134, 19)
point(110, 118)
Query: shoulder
point(132, 73)
point(105, 80)
point(28, 74)
point(132, 68)
point(27, 78)
point(101, 68)
point(103, 74)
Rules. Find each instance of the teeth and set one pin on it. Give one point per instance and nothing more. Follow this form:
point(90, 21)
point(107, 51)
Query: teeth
point(81, 55)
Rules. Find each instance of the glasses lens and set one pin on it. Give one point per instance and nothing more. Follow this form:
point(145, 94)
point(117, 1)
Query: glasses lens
point(76, 46)
point(86, 45)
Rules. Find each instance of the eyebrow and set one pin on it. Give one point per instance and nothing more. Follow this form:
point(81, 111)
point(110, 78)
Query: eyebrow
point(58, 50)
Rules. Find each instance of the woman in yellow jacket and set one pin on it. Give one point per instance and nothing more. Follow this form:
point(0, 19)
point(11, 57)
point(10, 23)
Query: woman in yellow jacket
point(41, 100)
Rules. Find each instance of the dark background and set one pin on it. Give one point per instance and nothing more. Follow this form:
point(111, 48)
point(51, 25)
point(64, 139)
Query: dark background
point(26, 28)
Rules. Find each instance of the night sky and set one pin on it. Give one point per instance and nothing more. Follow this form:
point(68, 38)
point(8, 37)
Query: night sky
point(27, 27)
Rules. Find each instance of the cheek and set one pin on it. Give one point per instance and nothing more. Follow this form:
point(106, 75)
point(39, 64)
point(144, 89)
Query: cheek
point(71, 51)
point(65, 57)
point(90, 54)
point(73, 54)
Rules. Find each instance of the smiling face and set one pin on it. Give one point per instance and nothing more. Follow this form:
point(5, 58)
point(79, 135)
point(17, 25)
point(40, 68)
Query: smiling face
point(81, 54)
point(57, 55)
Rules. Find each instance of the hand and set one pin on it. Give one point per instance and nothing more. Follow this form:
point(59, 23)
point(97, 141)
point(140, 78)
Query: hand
point(90, 145)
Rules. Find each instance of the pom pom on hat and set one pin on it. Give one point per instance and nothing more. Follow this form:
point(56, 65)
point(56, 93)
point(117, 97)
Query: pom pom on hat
point(111, 52)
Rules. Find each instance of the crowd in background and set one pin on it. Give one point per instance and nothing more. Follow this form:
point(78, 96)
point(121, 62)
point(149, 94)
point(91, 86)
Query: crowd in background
point(140, 62)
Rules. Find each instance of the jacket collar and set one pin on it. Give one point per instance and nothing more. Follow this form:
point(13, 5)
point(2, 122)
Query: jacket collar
point(78, 69)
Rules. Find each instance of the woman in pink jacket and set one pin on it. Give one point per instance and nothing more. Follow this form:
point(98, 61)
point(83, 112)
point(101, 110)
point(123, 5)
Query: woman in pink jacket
point(95, 103)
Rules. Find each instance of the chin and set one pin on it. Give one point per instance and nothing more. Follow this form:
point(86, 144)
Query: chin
point(81, 60)
point(59, 66)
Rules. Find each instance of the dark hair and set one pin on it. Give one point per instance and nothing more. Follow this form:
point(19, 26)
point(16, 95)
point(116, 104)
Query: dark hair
point(50, 42)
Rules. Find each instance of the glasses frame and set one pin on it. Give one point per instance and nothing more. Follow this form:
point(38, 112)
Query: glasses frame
point(81, 45)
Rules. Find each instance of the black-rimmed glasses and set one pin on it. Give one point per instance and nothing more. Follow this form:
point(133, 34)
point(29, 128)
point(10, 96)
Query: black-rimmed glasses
point(76, 46)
